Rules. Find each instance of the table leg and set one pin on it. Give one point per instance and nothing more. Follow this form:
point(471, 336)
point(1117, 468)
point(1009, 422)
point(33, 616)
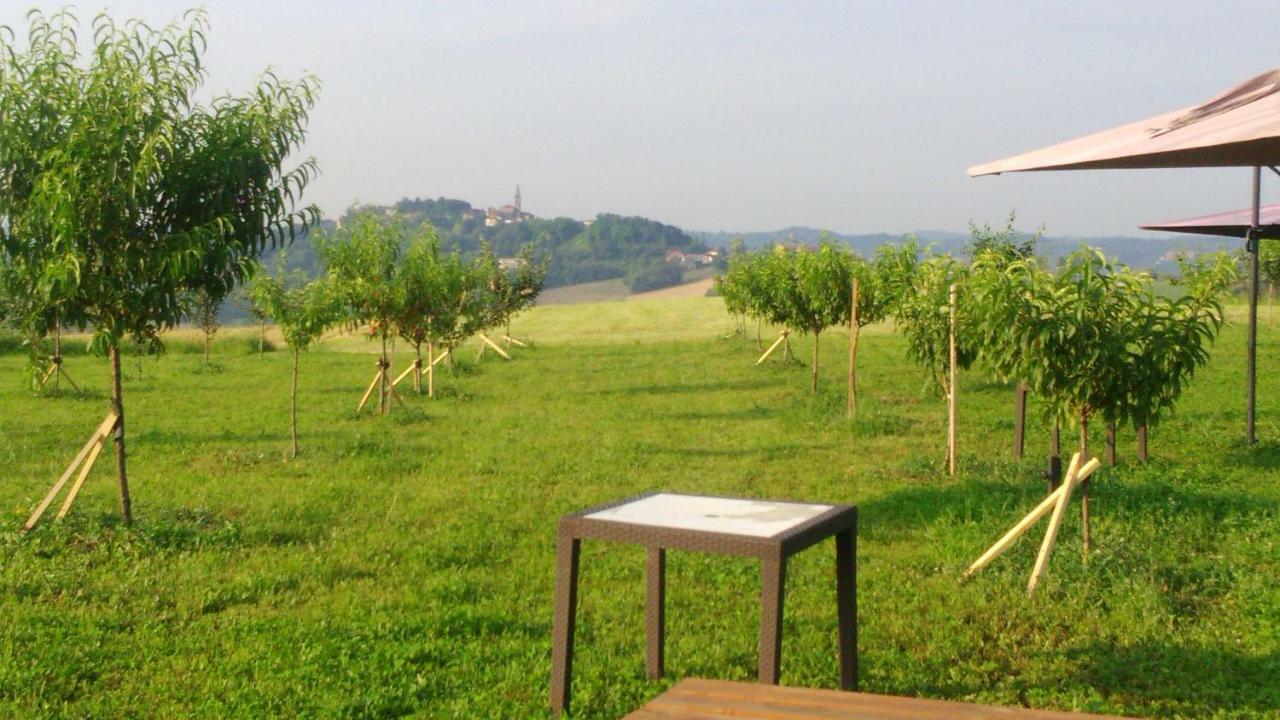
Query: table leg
point(655, 612)
point(567, 551)
point(847, 605)
point(773, 577)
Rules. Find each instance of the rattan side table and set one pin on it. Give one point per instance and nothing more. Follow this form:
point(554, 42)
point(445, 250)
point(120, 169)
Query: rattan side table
point(768, 529)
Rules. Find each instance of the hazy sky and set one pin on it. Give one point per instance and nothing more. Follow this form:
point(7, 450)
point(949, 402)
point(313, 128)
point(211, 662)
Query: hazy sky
point(852, 116)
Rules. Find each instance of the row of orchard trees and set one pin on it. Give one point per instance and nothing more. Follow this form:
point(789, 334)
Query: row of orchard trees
point(398, 285)
point(1091, 338)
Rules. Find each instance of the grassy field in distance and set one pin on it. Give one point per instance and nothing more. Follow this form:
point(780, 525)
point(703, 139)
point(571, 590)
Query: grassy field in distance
point(404, 565)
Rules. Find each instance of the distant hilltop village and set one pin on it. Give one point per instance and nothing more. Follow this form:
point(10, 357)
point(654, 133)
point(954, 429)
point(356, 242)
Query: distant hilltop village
point(504, 215)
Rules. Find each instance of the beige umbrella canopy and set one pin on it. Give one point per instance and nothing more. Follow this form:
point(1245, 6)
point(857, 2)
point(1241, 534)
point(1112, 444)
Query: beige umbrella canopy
point(1233, 223)
point(1239, 128)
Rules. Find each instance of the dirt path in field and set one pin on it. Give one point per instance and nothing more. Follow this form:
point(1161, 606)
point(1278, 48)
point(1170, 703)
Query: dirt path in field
point(698, 288)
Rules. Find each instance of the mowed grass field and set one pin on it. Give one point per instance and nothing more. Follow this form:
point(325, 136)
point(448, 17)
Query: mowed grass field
point(404, 565)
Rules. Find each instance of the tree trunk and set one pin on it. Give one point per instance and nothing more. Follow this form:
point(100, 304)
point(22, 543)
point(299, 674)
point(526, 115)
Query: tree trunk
point(853, 349)
point(759, 343)
point(262, 338)
point(1019, 418)
point(206, 348)
point(1111, 445)
point(814, 389)
point(293, 406)
point(1084, 487)
point(1142, 443)
point(417, 368)
point(384, 368)
point(57, 356)
point(117, 404)
point(1054, 473)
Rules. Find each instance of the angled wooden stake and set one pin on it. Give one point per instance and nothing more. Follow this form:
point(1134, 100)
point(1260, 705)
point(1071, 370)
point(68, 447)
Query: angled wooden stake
point(408, 371)
point(95, 441)
point(773, 347)
point(376, 379)
point(496, 348)
point(79, 483)
point(1072, 480)
point(512, 341)
point(1021, 527)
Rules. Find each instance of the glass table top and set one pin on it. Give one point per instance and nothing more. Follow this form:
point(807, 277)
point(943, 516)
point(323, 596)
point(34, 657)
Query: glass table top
point(754, 518)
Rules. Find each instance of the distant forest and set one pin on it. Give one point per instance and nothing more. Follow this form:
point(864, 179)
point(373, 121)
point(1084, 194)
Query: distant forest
point(608, 247)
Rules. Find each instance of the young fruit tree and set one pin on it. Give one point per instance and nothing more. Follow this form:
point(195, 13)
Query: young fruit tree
point(421, 298)
point(203, 308)
point(303, 312)
point(507, 289)
point(817, 293)
point(878, 289)
point(525, 278)
point(936, 320)
point(1094, 339)
point(463, 289)
point(362, 261)
point(122, 193)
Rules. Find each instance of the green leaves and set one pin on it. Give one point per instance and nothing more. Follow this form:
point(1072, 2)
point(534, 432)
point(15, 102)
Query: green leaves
point(303, 311)
point(1095, 337)
point(924, 317)
point(119, 193)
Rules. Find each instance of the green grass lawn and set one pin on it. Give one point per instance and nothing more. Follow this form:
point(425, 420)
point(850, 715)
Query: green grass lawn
point(404, 565)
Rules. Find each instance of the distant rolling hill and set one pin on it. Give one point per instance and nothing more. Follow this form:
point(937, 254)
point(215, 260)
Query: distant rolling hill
point(1151, 253)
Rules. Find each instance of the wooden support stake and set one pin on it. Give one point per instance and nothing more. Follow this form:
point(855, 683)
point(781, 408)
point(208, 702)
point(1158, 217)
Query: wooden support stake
point(65, 374)
point(75, 486)
point(1055, 522)
point(416, 364)
point(376, 379)
point(853, 349)
point(496, 348)
point(44, 379)
point(1017, 530)
point(512, 341)
point(951, 390)
point(773, 347)
point(96, 438)
point(431, 370)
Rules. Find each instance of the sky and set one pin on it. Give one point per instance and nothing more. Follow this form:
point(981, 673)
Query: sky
point(858, 117)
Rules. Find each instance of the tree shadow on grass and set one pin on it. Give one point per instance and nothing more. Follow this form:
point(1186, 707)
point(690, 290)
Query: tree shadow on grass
point(178, 437)
point(160, 530)
point(1265, 455)
point(690, 388)
point(985, 501)
point(752, 413)
point(771, 452)
point(1155, 675)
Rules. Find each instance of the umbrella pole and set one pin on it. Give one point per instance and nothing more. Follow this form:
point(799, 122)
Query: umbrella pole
point(1251, 245)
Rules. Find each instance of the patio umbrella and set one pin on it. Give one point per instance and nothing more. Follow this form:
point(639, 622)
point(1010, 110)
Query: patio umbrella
point(1233, 223)
point(1239, 128)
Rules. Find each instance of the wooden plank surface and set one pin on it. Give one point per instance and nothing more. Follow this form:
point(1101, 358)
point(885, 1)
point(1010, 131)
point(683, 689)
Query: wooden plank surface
point(697, 699)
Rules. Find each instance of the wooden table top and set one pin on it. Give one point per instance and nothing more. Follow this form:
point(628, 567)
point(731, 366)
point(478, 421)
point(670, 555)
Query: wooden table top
point(697, 699)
